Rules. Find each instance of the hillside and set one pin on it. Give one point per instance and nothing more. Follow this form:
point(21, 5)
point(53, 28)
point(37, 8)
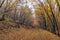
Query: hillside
point(8, 32)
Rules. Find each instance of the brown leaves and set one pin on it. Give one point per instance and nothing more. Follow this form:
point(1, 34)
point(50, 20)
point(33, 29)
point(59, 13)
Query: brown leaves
point(38, 11)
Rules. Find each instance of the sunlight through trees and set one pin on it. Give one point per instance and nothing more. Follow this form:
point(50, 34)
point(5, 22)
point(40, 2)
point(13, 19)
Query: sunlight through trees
point(35, 13)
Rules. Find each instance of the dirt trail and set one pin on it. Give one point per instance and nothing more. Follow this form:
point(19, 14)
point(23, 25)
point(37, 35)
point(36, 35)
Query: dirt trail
point(28, 34)
point(21, 33)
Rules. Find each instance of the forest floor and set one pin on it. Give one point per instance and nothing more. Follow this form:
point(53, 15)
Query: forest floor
point(9, 31)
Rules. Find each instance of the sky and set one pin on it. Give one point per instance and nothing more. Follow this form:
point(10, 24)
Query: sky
point(32, 4)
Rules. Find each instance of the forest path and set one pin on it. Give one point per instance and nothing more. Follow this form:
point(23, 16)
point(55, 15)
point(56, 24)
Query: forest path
point(27, 34)
point(9, 31)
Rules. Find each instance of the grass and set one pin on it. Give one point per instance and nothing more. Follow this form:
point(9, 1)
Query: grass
point(9, 32)
point(27, 34)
